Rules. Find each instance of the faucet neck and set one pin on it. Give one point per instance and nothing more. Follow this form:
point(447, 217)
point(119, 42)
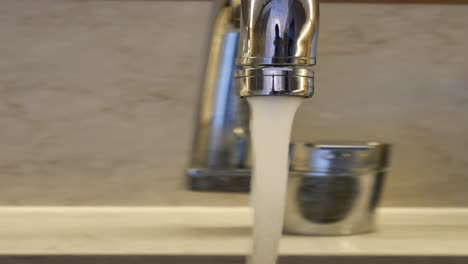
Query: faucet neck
point(277, 47)
point(278, 32)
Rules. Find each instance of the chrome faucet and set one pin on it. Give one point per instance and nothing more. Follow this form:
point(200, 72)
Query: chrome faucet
point(256, 48)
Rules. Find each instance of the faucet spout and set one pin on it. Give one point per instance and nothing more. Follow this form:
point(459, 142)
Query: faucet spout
point(277, 47)
point(273, 42)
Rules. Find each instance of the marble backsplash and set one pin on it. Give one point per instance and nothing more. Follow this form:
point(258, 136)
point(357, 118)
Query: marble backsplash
point(97, 99)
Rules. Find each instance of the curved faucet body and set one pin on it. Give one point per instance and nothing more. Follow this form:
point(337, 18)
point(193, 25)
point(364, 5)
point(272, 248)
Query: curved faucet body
point(277, 48)
point(278, 32)
point(270, 45)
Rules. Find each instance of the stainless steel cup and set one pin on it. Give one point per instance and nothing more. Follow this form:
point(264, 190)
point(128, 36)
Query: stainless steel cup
point(334, 188)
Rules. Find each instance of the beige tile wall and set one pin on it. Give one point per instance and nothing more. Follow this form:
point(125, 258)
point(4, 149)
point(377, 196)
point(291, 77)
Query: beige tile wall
point(97, 98)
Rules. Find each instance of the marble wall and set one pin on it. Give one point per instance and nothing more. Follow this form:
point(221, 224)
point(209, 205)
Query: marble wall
point(97, 98)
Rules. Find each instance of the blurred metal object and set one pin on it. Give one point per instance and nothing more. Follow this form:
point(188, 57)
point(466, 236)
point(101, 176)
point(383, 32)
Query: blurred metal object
point(277, 42)
point(220, 153)
point(334, 189)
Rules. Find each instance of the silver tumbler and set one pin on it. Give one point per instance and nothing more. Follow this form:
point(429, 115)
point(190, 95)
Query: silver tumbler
point(334, 188)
